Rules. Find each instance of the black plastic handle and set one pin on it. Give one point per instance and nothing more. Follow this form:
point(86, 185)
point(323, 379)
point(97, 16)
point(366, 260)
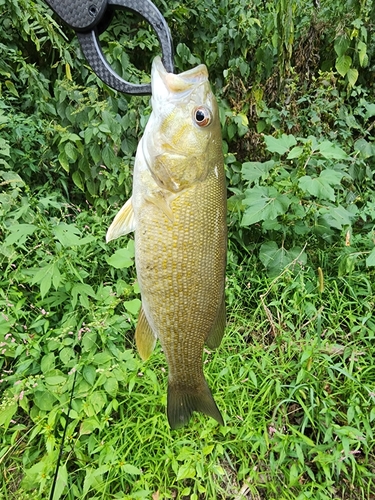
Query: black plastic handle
point(91, 46)
point(81, 15)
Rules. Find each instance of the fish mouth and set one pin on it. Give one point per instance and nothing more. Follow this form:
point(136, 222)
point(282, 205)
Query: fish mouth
point(176, 86)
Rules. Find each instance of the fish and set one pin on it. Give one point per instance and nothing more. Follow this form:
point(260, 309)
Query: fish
point(178, 214)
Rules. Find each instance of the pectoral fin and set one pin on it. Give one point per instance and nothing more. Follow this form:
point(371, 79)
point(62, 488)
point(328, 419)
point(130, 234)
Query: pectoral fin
point(217, 331)
point(160, 201)
point(144, 336)
point(123, 223)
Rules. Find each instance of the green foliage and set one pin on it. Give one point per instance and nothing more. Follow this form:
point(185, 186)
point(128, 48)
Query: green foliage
point(301, 196)
point(296, 99)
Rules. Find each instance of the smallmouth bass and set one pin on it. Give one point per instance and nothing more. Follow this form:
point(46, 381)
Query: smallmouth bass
point(178, 212)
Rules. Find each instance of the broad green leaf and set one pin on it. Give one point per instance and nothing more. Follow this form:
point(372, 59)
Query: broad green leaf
point(73, 137)
point(293, 474)
point(316, 187)
point(122, 258)
point(64, 161)
point(206, 450)
point(6, 414)
point(102, 358)
point(186, 471)
point(47, 362)
point(67, 234)
point(88, 133)
point(77, 179)
point(104, 128)
point(362, 54)
point(332, 177)
point(295, 152)
point(131, 469)
point(255, 170)
point(242, 122)
point(337, 217)
point(370, 111)
point(267, 252)
point(44, 400)
point(12, 89)
point(89, 374)
point(90, 479)
point(56, 276)
point(95, 152)
point(184, 454)
point(275, 259)
point(321, 186)
point(19, 233)
point(89, 340)
point(66, 354)
point(5, 324)
point(11, 178)
point(46, 282)
point(331, 151)
point(108, 155)
point(82, 290)
point(55, 377)
point(352, 76)
point(61, 482)
point(133, 306)
point(280, 145)
point(366, 149)
point(98, 400)
point(370, 260)
point(4, 147)
point(341, 44)
point(263, 203)
point(71, 151)
point(89, 425)
point(343, 64)
point(43, 277)
point(111, 386)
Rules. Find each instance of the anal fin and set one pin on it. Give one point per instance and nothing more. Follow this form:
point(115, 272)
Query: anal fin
point(144, 336)
point(213, 339)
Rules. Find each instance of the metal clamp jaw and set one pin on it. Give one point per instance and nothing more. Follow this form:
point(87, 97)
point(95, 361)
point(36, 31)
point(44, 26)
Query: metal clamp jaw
point(89, 18)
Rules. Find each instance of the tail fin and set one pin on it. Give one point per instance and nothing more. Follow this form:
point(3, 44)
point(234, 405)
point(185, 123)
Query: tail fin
point(182, 403)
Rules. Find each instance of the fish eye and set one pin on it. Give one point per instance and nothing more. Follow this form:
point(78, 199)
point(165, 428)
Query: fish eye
point(202, 116)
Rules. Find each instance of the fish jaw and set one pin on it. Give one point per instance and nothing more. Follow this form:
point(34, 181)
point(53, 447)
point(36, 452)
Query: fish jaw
point(174, 87)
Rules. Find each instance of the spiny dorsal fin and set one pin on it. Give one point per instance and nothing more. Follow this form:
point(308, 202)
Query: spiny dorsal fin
point(123, 223)
point(144, 336)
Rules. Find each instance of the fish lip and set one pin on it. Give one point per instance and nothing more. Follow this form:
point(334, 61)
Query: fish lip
point(176, 86)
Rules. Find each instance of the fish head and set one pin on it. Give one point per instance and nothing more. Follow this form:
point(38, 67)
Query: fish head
point(183, 126)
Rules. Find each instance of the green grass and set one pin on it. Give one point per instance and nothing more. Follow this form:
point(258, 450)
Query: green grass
point(294, 379)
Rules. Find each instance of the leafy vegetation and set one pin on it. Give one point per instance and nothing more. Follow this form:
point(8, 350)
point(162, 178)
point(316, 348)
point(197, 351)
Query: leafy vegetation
point(294, 376)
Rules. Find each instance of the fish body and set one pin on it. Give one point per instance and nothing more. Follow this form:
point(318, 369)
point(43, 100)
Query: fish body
point(178, 213)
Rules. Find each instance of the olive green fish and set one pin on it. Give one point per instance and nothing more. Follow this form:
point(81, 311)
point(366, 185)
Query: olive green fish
point(178, 213)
